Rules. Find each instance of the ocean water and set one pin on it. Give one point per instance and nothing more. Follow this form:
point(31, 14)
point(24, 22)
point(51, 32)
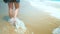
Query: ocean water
point(39, 17)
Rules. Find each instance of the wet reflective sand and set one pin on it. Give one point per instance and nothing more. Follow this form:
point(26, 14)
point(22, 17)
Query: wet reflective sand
point(36, 21)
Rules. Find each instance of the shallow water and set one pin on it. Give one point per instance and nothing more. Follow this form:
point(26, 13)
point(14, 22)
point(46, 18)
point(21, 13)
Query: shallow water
point(37, 20)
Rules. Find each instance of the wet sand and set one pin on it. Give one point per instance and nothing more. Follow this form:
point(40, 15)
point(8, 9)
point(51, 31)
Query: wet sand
point(36, 21)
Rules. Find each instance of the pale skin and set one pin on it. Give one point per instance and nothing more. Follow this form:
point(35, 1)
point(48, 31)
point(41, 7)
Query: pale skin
point(13, 14)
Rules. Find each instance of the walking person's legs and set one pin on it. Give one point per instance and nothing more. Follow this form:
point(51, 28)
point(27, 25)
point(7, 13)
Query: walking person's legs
point(13, 14)
point(16, 9)
point(10, 6)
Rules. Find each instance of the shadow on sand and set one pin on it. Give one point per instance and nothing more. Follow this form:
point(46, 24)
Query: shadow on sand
point(6, 18)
